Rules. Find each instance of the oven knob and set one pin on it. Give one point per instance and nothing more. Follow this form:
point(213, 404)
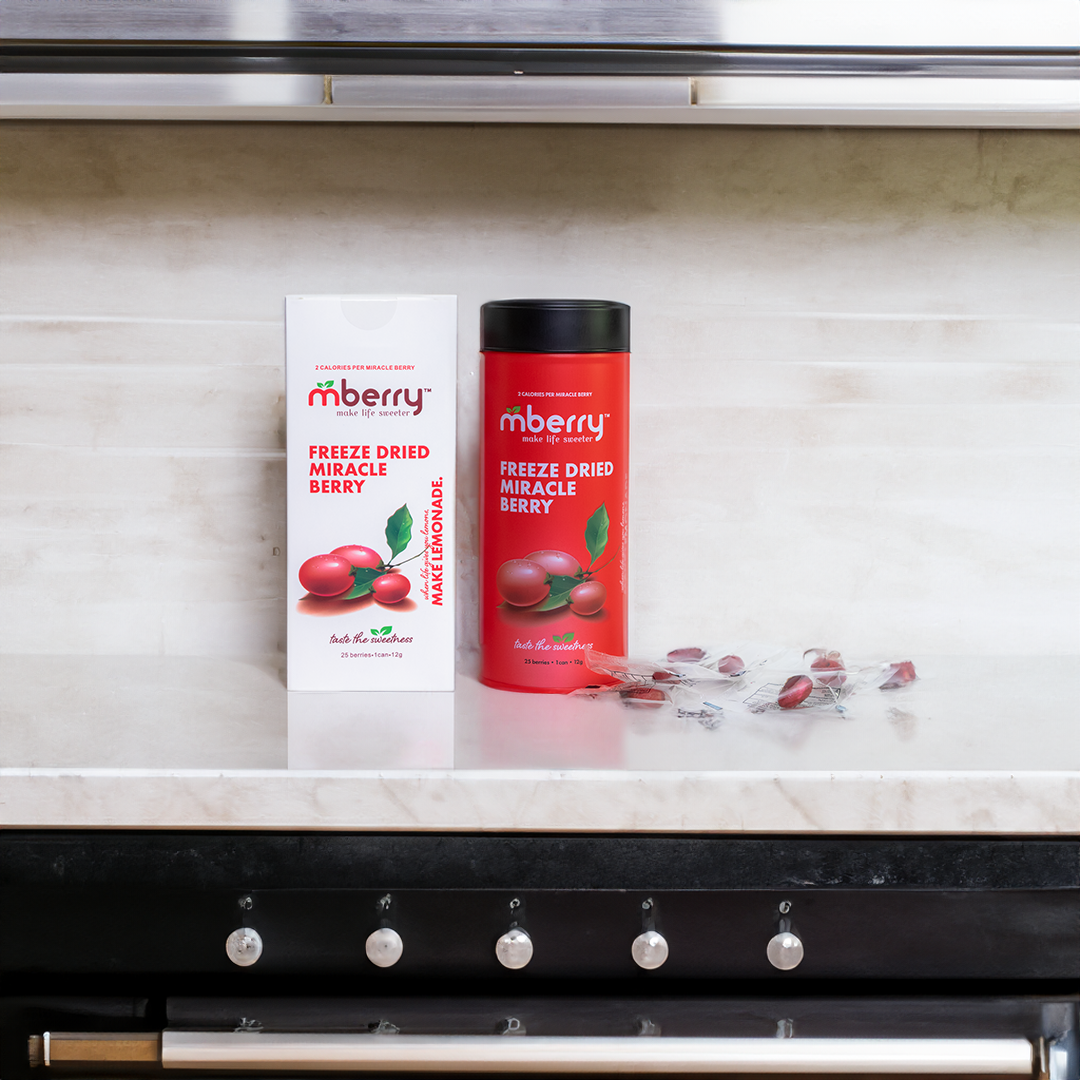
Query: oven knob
point(785, 951)
point(384, 947)
point(514, 949)
point(244, 946)
point(649, 950)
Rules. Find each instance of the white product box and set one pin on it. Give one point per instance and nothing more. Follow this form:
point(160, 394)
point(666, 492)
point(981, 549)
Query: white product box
point(371, 413)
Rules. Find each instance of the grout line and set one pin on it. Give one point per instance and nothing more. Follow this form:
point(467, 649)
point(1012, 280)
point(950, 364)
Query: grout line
point(143, 367)
point(269, 453)
point(138, 319)
point(719, 310)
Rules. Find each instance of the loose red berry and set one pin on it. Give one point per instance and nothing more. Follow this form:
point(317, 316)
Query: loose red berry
point(795, 691)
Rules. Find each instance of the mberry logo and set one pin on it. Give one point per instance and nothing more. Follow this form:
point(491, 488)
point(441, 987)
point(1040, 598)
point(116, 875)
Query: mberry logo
point(393, 397)
point(516, 420)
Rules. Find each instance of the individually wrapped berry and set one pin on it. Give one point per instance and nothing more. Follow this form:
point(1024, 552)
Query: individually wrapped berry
point(643, 697)
point(699, 661)
point(822, 666)
point(794, 691)
point(900, 673)
point(687, 655)
point(627, 670)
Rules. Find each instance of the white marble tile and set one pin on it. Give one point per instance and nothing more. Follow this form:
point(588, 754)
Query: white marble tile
point(704, 335)
point(140, 552)
point(149, 406)
point(898, 384)
point(1044, 803)
point(138, 341)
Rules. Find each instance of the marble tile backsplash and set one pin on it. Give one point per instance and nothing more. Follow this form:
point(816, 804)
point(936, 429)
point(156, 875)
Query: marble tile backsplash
point(855, 377)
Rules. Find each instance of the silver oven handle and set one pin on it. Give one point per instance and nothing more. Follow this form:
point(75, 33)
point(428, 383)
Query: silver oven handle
point(540, 1054)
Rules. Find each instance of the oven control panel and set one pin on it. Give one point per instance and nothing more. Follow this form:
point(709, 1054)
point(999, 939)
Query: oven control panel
point(379, 908)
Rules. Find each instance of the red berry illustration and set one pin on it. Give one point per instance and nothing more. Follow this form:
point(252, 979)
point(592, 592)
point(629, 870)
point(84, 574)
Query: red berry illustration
point(556, 562)
point(359, 556)
point(729, 665)
point(587, 598)
point(685, 656)
point(390, 588)
point(795, 691)
point(326, 575)
point(522, 582)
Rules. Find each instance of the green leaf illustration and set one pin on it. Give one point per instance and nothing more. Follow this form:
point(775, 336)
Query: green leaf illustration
point(329, 382)
point(363, 576)
point(559, 596)
point(596, 530)
point(399, 530)
point(386, 629)
point(568, 636)
point(374, 632)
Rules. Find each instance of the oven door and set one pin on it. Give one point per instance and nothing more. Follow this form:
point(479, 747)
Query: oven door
point(305, 954)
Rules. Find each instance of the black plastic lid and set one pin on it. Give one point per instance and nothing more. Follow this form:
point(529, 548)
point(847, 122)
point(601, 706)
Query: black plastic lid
point(555, 326)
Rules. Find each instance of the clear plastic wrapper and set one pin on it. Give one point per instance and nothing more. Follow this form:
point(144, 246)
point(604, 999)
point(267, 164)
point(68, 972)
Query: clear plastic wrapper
point(707, 683)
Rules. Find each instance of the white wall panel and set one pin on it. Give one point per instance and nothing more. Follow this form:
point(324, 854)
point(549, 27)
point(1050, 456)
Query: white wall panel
point(855, 366)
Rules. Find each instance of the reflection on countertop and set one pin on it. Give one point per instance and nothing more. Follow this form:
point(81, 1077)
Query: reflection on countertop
point(138, 712)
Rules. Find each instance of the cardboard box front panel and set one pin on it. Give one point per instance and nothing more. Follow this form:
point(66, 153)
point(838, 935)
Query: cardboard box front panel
point(371, 400)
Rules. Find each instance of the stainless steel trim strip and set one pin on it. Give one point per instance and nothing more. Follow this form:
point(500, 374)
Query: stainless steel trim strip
point(800, 100)
point(510, 92)
point(532, 1054)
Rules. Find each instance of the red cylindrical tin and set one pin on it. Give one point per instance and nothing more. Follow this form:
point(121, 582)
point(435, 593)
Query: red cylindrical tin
point(554, 464)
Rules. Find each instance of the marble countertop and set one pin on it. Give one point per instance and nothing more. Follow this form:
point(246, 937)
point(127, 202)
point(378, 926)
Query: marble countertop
point(975, 746)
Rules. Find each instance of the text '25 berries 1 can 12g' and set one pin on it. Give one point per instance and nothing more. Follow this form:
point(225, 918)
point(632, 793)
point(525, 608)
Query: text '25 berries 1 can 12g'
point(554, 485)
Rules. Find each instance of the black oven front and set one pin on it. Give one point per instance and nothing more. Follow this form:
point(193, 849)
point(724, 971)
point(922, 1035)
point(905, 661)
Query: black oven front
point(232, 954)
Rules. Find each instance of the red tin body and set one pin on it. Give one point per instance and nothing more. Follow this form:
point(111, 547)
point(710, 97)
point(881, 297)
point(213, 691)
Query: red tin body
point(553, 481)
